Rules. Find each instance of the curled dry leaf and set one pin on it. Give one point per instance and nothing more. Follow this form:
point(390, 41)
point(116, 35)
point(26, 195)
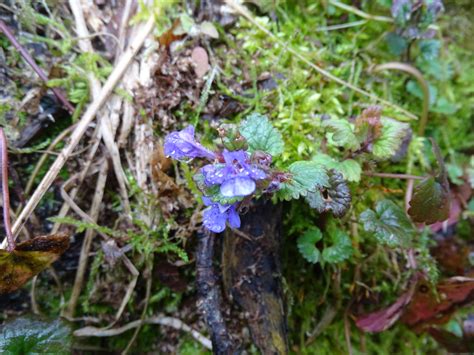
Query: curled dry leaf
point(28, 259)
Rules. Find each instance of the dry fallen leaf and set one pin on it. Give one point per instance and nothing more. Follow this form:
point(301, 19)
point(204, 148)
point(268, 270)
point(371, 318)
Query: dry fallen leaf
point(28, 259)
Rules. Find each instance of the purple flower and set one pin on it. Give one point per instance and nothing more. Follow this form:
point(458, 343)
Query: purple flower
point(182, 145)
point(216, 216)
point(236, 177)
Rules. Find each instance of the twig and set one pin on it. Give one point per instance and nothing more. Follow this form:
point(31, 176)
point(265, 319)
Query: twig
point(147, 272)
point(86, 244)
point(166, 321)
point(106, 128)
point(83, 124)
point(209, 293)
point(5, 193)
point(421, 80)
point(26, 56)
point(244, 12)
point(394, 176)
point(360, 13)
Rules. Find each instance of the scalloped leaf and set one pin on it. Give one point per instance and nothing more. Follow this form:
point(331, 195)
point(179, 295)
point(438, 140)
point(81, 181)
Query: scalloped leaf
point(307, 245)
point(388, 223)
point(341, 248)
point(261, 135)
point(390, 139)
point(28, 335)
point(342, 133)
point(306, 176)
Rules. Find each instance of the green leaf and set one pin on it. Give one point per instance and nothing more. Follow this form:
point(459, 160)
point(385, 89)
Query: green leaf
point(397, 45)
point(430, 202)
point(307, 245)
point(390, 139)
point(414, 88)
point(429, 48)
point(444, 106)
point(389, 224)
point(306, 176)
point(261, 135)
point(349, 168)
point(35, 336)
point(341, 248)
point(342, 133)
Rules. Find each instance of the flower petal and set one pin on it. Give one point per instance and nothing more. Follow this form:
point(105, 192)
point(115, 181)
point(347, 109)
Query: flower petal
point(234, 218)
point(238, 186)
point(214, 220)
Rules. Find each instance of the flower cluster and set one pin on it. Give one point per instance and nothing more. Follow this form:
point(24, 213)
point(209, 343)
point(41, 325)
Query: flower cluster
point(229, 178)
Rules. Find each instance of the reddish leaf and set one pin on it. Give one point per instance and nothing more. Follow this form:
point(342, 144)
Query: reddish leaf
point(385, 318)
point(428, 307)
point(29, 259)
point(431, 198)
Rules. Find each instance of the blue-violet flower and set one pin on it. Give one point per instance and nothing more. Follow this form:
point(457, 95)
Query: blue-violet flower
point(236, 177)
point(216, 216)
point(182, 145)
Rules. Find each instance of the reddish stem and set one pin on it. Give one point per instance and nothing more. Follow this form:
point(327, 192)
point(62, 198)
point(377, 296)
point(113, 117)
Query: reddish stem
point(5, 193)
point(26, 56)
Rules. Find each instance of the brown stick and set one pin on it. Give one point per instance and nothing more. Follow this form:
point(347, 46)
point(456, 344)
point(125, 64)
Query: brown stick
point(26, 56)
point(209, 293)
point(5, 193)
point(394, 176)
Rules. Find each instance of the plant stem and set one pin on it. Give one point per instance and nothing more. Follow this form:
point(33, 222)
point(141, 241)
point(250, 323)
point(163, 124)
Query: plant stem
point(26, 56)
point(394, 176)
point(5, 193)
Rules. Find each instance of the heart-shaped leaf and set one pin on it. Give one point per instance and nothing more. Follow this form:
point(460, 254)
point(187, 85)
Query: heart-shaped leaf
point(307, 245)
point(28, 259)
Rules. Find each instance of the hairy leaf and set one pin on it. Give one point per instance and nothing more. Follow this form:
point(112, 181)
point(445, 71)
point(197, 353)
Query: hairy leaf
point(335, 198)
point(261, 135)
point(307, 245)
point(390, 139)
point(430, 202)
point(306, 176)
point(341, 248)
point(28, 259)
point(342, 133)
point(28, 335)
point(389, 224)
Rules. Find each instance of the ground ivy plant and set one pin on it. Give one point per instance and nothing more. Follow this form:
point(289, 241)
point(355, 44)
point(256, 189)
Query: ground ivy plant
point(240, 167)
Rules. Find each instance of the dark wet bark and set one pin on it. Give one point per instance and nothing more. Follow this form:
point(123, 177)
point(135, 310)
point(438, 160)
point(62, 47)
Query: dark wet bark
point(209, 294)
point(252, 275)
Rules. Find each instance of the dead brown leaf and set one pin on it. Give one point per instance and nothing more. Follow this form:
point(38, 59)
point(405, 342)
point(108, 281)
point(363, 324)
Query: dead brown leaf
point(28, 259)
